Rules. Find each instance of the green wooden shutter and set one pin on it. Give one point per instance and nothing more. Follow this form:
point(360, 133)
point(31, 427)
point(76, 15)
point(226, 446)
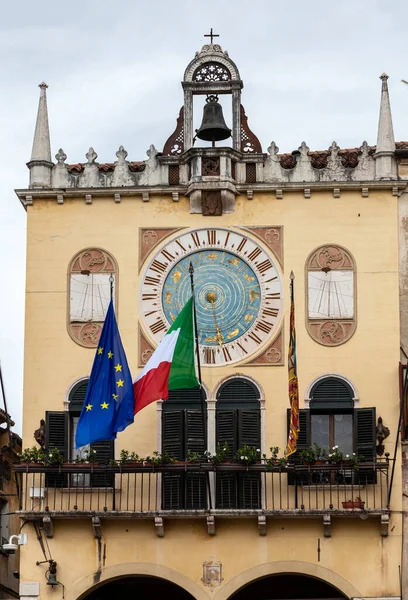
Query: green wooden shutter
point(303, 442)
point(195, 483)
point(226, 430)
point(249, 428)
point(172, 433)
point(172, 442)
point(364, 442)
point(56, 436)
point(104, 453)
point(249, 432)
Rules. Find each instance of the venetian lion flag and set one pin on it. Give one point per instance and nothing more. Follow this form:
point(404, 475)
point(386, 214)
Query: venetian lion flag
point(293, 380)
point(171, 367)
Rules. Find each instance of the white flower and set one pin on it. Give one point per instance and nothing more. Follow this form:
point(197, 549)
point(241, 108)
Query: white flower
point(330, 455)
point(225, 449)
point(347, 456)
point(242, 458)
point(258, 449)
point(354, 453)
point(246, 458)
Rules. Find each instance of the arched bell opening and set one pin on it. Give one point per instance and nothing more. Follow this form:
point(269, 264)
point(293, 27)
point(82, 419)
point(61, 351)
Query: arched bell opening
point(285, 586)
point(138, 586)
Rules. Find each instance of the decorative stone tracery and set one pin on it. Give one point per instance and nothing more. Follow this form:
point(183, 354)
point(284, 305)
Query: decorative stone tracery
point(91, 261)
point(338, 328)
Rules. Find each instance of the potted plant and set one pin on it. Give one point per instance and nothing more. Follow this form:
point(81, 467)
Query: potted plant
point(274, 460)
point(221, 455)
point(314, 455)
point(248, 455)
point(353, 504)
point(33, 455)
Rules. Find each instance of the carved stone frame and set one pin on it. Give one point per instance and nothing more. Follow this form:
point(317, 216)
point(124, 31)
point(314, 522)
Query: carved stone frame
point(337, 331)
point(87, 334)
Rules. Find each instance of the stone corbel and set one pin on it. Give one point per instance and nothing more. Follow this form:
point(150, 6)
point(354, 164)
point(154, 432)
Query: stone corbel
point(48, 527)
point(60, 198)
point(336, 193)
point(175, 196)
point(327, 525)
point(159, 526)
point(211, 525)
point(364, 192)
point(117, 197)
point(96, 524)
point(262, 524)
point(279, 194)
point(385, 521)
point(250, 194)
point(307, 192)
point(145, 196)
point(88, 198)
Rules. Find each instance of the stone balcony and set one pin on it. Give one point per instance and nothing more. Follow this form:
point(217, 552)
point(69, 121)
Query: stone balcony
point(204, 491)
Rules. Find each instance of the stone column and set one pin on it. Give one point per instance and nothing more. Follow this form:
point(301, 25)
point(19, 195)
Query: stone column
point(236, 119)
point(188, 119)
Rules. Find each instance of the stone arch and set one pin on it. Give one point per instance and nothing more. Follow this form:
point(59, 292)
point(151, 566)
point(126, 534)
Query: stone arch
point(319, 378)
point(85, 585)
point(289, 566)
point(208, 54)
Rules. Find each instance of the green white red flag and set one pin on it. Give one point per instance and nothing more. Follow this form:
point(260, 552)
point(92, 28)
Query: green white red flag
point(171, 367)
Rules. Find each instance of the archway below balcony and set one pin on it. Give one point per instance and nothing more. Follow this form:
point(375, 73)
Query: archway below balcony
point(178, 585)
point(267, 575)
point(288, 585)
point(139, 587)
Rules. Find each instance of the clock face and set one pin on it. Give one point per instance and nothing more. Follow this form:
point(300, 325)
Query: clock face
point(238, 292)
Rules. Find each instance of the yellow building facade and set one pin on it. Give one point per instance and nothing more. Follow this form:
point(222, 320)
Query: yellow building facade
point(246, 220)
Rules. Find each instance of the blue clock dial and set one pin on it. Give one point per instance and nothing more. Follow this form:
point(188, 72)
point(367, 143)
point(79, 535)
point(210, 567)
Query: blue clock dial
point(238, 290)
point(227, 292)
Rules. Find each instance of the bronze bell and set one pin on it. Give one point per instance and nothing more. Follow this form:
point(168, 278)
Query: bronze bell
point(213, 127)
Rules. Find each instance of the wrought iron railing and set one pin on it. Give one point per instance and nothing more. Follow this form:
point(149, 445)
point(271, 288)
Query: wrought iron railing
point(186, 488)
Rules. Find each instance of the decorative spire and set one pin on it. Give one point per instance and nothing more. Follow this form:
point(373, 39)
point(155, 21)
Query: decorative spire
point(41, 144)
point(384, 154)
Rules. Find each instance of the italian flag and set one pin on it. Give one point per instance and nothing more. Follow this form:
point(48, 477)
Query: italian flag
point(171, 367)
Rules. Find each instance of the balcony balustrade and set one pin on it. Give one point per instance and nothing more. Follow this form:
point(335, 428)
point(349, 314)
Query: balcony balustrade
point(202, 490)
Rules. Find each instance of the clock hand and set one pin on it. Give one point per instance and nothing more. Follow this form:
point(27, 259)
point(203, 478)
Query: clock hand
point(211, 298)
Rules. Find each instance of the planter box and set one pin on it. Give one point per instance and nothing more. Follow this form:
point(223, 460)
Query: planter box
point(353, 504)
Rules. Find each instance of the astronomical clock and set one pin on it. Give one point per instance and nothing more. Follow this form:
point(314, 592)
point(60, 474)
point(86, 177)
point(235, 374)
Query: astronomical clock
point(238, 291)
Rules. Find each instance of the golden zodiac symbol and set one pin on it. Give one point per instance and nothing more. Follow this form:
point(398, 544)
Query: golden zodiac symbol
point(233, 333)
point(248, 277)
point(168, 297)
point(176, 276)
point(248, 318)
point(253, 295)
point(234, 261)
point(211, 256)
point(173, 318)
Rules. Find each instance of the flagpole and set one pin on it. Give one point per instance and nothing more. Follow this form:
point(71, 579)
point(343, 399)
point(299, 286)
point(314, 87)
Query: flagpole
point(111, 280)
point(191, 271)
point(203, 413)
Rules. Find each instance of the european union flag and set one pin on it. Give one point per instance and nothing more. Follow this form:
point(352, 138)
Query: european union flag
point(108, 405)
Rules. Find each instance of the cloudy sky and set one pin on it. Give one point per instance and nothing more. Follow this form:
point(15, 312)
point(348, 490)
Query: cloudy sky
point(310, 71)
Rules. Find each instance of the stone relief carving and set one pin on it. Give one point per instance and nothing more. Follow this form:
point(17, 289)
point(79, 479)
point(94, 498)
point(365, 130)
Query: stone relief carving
point(273, 355)
point(330, 331)
point(145, 348)
point(271, 236)
point(212, 205)
point(90, 260)
point(149, 238)
point(212, 573)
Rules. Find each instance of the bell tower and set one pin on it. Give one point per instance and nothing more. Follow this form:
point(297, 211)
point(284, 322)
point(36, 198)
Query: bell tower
point(212, 173)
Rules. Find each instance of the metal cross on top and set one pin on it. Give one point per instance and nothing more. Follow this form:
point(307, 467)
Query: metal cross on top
point(211, 35)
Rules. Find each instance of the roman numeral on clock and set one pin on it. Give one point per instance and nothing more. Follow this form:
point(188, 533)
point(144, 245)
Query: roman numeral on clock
point(226, 353)
point(275, 296)
point(158, 266)
point(264, 266)
point(158, 326)
point(270, 312)
point(254, 254)
point(167, 255)
point(151, 280)
point(264, 326)
point(242, 348)
point(254, 337)
point(209, 356)
point(241, 244)
point(196, 239)
point(212, 236)
point(149, 297)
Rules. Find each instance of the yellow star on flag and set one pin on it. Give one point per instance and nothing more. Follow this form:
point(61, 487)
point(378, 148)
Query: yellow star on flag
point(115, 396)
point(120, 383)
point(100, 350)
point(88, 407)
point(110, 354)
point(104, 405)
point(118, 367)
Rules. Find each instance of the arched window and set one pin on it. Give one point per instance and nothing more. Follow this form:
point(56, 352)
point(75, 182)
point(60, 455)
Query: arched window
point(238, 423)
point(182, 435)
point(331, 294)
point(333, 420)
point(60, 430)
point(91, 273)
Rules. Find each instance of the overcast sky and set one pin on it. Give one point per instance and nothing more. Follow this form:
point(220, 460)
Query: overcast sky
point(310, 72)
